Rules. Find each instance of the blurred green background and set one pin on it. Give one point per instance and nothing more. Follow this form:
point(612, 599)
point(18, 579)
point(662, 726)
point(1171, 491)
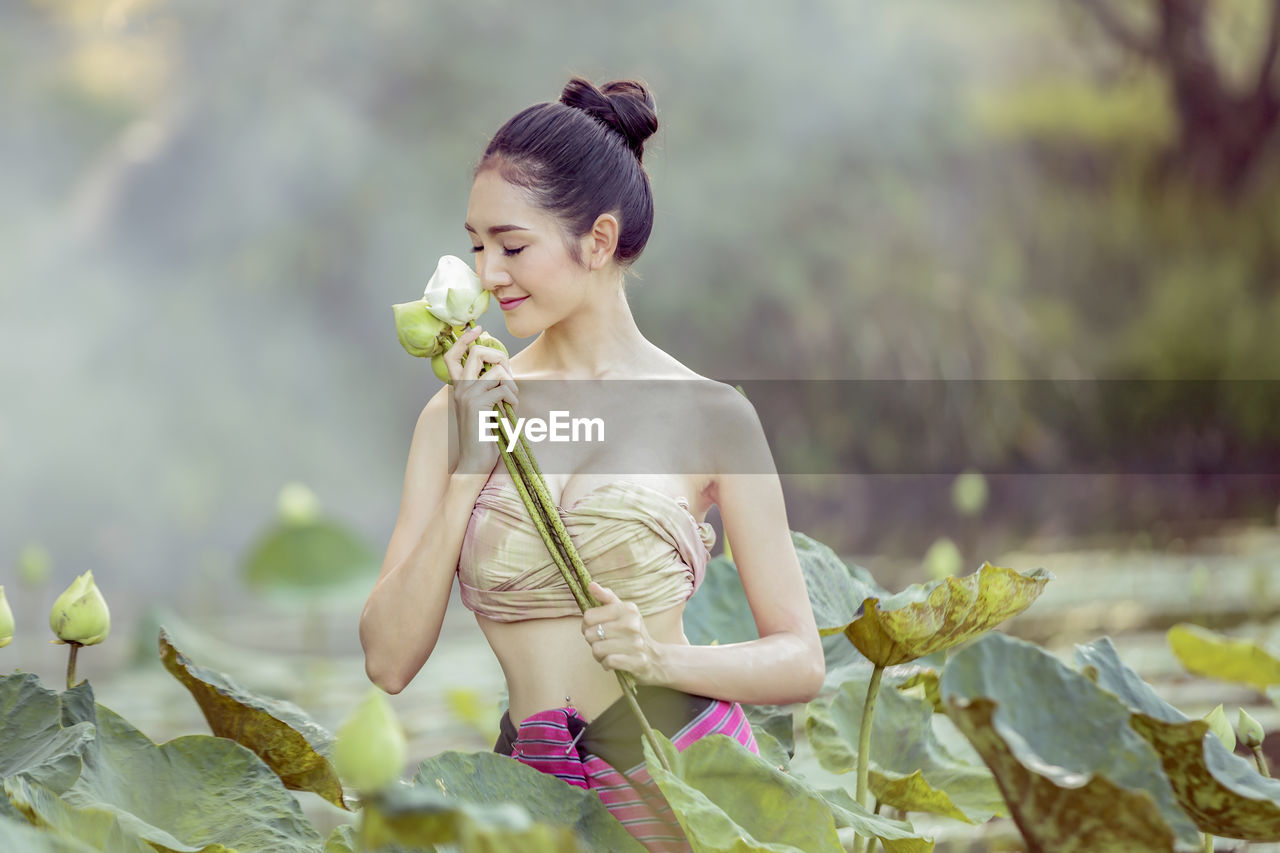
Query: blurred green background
point(207, 209)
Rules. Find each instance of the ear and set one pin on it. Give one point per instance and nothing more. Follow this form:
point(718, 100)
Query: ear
point(601, 241)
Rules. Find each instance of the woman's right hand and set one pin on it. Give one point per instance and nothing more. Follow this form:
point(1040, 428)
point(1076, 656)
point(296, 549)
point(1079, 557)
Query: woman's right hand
point(474, 394)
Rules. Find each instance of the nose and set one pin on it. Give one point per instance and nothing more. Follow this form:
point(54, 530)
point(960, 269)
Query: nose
point(492, 272)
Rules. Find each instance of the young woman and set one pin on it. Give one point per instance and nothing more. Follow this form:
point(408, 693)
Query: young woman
point(560, 208)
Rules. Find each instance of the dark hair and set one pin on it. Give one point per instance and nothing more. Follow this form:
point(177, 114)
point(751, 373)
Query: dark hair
point(581, 158)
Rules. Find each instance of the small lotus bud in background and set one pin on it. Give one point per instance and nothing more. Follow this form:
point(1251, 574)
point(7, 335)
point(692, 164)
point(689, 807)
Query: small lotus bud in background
point(969, 493)
point(370, 750)
point(297, 504)
point(943, 559)
point(1250, 730)
point(1217, 720)
point(80, 614)
point(6, 621)
point(34, 564)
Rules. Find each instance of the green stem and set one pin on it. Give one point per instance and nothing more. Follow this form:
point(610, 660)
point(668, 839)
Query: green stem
point(71, 665)
point(525, 455)
point(864, 734)
point(861, 844)
point(1260, 760)
point(1207, 846)
point(524, 471)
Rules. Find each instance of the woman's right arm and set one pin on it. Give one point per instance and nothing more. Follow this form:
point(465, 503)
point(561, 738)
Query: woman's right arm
point(401, 620)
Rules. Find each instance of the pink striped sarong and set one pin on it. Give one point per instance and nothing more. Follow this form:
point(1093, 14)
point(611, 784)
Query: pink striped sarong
point(553, 741)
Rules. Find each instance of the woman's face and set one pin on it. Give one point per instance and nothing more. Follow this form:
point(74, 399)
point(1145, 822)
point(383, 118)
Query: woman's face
point(521, 257)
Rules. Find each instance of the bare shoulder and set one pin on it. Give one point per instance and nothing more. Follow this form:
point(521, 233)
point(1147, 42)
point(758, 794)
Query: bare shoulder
point(437, 426)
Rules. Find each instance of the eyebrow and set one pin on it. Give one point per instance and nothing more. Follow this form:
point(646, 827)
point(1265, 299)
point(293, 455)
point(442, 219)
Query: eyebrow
point(497, 229)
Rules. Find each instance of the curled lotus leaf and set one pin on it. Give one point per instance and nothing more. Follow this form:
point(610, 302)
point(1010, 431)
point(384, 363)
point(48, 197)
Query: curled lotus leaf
point(419, 818)
point(1059, 811)
point(279, 732)
point(1074, 774)
point(928, 618)
point(1221, 792)
point(193, 793)
point(727, 798)
point(1214, 655)
point(39, 737)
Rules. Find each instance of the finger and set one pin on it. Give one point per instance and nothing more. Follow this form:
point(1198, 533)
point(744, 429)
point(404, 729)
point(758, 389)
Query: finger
point(454, 353)
point(603, 594)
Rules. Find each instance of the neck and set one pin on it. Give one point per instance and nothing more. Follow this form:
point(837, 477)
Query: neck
point(595, 341)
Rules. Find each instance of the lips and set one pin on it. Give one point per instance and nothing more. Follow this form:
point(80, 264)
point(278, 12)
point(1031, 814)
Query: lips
point(508, 304)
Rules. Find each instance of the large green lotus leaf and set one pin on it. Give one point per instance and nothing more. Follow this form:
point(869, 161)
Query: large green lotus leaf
point(33, 738)
point(309, 557)
point(836, 589)
point(1221, 791)
point(95, 827)
point(719, 612)
point(909, 768)
point(727, 798)
point(897, 836)
point(928, 618)
point(21, 837)
point(194, 793)
point(421, 817)
point(1213, 655)
point(279, 732)
point(1076, 777)
point(490, 779)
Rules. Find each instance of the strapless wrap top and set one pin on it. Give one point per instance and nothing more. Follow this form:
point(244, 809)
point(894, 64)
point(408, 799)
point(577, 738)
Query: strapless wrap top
point(639, 542)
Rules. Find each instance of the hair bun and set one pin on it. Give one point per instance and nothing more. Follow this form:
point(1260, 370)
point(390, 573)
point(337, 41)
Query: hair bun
point(624, 106)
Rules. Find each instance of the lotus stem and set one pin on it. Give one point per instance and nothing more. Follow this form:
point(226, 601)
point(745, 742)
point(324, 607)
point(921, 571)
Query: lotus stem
point(1207, 845)
point(1260, 760)
point(862, 845)
point(71, 665)
point(532, 488)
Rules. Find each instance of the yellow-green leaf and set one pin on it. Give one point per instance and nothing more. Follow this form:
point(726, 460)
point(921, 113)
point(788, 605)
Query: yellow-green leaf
point(281, 733)
point(928, 618)
point(1214, 655)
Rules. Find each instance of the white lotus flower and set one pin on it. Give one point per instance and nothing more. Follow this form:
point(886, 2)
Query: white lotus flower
point(454, 293)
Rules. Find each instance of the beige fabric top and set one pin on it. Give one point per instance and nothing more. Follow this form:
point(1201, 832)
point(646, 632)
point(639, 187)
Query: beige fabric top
point(639, 542)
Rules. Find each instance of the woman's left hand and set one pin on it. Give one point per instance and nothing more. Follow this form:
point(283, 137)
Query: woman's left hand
point(626, 644)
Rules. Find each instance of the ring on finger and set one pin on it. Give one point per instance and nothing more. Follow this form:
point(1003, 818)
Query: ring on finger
point(600, 631)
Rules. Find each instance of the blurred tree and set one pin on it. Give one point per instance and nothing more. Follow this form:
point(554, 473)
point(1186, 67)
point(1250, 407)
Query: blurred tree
point(1223, 133)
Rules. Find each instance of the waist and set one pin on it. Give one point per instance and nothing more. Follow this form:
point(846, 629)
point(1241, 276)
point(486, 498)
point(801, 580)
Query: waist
point(545, 660)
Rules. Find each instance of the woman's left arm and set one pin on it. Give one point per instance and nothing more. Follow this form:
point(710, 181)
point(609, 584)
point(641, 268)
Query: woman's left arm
point(786, 663)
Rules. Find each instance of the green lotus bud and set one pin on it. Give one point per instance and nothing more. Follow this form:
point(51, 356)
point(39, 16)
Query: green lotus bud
point(80, 614)
point(454, 292)
point(421, 333)
point(943, 559)
point(1249, 729)
point(1217, 720)
point(969, 493)
point(297, 504)
point(34, 564)
point(370, 750)
point(6, 621)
